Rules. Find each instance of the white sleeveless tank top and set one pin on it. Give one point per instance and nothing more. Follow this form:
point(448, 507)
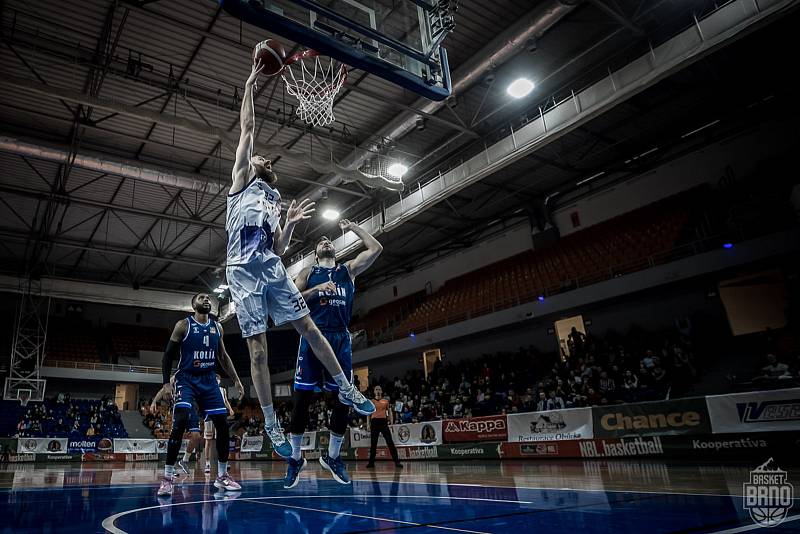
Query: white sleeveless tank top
point(254, 214)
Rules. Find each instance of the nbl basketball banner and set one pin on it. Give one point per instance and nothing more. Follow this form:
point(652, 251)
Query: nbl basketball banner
point(490, 428)
point(758, 411)
point(42, 445)
point(404, 435)
point(553, 425)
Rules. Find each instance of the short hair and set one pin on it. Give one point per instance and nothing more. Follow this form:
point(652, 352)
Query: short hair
point(197, 295)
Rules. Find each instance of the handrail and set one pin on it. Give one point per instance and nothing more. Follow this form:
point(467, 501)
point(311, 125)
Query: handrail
point(93, 366)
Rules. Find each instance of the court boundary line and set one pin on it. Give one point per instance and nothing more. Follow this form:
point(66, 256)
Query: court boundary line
point(409, 523)
point(745, 528)
point(109, 526)
point(646, 492)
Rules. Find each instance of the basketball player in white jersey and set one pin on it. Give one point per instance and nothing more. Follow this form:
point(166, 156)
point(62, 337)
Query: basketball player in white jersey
point(257, 278)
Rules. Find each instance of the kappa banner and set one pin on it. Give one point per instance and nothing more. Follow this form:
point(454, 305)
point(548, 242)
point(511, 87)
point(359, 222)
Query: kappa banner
point(490, 428)
point(554, 425)
point(662, 418)
point(758, 411)
point(42, 445)
point(404, 435)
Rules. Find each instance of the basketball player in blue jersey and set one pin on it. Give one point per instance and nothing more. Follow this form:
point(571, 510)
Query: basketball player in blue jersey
point(197, 341)
point(193, 428)
point(257, 278)
point(329, 288)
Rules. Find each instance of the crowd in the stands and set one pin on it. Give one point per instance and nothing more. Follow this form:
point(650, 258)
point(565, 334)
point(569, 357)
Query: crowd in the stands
point(591, 371)
point(72, 418)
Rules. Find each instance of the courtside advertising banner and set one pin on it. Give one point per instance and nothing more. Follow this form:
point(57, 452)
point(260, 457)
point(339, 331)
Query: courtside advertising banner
point(42, 445)
point(472, 429)
point(137, 445)
point(658, 418)
point(309, 441)
point(554, 425)
point(252, 443)
point(758, 411)
point(404, 435)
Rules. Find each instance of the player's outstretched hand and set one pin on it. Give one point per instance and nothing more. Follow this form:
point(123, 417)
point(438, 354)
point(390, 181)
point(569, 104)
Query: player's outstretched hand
point(166, 392)
point(299, 212)
point(326, 287)
point(346, 225)
point(254, 72)
point(154, 408)
point(240, 389)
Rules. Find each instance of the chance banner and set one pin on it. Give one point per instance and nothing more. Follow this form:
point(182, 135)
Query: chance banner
point(659, 418)
point(490, 428)
point(758, 411)
point(554, 425)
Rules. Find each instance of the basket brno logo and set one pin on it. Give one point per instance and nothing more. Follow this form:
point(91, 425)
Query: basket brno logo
point(768, 496)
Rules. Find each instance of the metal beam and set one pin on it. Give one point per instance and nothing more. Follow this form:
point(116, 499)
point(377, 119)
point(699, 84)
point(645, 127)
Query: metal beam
point(69, 199)
point(12, 234)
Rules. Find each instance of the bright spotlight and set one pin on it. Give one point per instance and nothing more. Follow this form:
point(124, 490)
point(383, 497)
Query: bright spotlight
point(397, 170)
point(520, 87)
point(331, 215)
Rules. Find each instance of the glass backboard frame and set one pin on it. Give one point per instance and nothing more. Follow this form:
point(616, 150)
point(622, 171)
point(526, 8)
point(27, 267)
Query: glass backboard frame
point(421, 67)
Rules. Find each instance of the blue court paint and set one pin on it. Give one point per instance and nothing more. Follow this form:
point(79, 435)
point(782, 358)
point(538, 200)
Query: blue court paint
point(367, 506)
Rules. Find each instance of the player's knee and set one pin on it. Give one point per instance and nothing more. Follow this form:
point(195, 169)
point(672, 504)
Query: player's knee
point(258, 357)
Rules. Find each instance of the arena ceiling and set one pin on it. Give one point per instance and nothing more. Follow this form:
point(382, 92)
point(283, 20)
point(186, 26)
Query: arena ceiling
point(117, 81)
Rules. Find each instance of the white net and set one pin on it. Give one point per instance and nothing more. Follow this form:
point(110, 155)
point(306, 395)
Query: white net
point(314, 82)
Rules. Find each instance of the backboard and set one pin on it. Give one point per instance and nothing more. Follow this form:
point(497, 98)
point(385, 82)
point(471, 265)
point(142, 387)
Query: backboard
point(398, 40)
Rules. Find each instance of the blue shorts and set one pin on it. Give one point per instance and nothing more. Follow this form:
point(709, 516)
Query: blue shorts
point(199, 389)
point(310, 373)
point(259, 289)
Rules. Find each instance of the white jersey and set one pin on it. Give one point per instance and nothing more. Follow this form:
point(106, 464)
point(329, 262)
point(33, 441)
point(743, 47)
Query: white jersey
point(254, 214)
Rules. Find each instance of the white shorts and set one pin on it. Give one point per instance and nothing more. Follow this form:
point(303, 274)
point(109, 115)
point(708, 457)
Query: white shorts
point(260, 289)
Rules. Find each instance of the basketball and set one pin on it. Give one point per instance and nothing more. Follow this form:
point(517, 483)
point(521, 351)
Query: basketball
point(271, 54)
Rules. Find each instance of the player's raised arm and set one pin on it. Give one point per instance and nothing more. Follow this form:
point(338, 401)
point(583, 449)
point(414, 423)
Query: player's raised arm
point(366, 258)
point(295, 214)
point(247, 122)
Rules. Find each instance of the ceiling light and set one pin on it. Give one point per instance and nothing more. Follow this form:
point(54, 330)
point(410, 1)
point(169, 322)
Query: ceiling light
point(330, 214)
point(397, 170)
point(520, 87)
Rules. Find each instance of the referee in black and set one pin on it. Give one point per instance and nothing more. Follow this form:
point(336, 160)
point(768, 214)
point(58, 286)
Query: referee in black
point(378, 424)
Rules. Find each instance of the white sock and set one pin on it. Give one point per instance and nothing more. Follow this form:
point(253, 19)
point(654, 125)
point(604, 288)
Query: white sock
point(296, 440)
point(342, 382)
point(186, 456)
point(269, 415)
point(222, 468)
point(169, 471)
point(334, 445)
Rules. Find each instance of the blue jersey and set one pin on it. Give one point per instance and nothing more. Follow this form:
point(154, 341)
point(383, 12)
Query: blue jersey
point(199, 347)
point(331, 310)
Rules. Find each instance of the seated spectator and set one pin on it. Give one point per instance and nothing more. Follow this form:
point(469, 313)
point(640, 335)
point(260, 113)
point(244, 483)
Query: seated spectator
point(774, 369)
point(555, 402)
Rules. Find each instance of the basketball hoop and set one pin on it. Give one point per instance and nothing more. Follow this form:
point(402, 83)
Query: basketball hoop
point(23, 396)
point(315, 83)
